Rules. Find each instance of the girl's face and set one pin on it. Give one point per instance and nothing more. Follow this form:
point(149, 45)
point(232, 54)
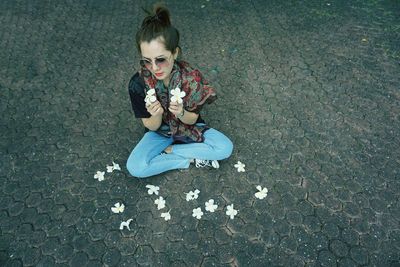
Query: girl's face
point(157, 59)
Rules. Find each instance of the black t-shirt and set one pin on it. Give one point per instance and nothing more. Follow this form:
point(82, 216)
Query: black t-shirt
point(137, 94)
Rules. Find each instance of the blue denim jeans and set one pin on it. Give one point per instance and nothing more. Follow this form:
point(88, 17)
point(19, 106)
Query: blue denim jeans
point(146, 158)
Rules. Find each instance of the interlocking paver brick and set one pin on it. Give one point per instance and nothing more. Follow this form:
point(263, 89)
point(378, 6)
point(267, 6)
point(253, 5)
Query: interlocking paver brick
point(97, 231)
point(359, 255)
point(79, 259)
point(326, 258)
point(144, 235)
point(46, 261)
point(95, 263)
point(111, 257)
point(308, 92)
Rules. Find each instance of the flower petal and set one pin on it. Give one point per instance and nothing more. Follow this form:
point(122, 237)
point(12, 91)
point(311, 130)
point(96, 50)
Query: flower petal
point(166, 216)
point(116, 166)
point(110, 168)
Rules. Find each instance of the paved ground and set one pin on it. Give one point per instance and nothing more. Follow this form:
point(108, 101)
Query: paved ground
point(308, 92)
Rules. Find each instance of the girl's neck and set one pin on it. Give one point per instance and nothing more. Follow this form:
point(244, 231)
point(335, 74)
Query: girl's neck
point(166, 81)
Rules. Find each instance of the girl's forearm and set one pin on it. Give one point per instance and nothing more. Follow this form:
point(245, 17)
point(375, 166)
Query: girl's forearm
point(153, 123)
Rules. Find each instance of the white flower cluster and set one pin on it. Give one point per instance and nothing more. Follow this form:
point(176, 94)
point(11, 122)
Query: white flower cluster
point(120, 208)
point(160, 202)
point(210, 206)
point(99, 175)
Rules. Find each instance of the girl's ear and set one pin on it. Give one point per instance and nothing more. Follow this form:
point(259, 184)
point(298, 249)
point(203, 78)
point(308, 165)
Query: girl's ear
point(176, 54)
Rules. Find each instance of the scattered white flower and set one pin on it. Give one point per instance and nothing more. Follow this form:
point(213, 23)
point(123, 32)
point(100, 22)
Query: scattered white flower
point(125, 224)
point(110, 168)
point(99, 175)
point(230, 211)
point(210, 206)
point(166, 216)
point(240, 166)
point(177, 95)
point(116, 166)
point(118, 208)
point(203, 6)
point(160, 202)
point(192, 195)
point(150, 97)
point(263, 192)
point(152, 189)
point(197, 213)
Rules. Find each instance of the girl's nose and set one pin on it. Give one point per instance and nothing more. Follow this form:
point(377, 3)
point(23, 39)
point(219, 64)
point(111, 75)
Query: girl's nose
point(154, 66)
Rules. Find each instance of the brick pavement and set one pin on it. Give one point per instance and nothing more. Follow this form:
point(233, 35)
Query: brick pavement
point(309, 94)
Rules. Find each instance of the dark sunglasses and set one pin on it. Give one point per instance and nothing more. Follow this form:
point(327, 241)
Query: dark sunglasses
point(160, 62)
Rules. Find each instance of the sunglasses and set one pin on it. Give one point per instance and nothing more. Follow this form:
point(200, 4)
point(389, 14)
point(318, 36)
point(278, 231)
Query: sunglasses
point(159, 61)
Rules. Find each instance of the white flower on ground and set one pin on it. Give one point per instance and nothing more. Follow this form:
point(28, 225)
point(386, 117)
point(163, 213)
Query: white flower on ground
point(160, 202)
point(152, 189)
point(177, 95)
point(240, 166)
point(99, 175)
point(118, 208)
point(197, 213)
point(192, 195)
point(263, 192)
point(230, 211)
point(150, 97)
point(116, 166)
point(166, 215)
point(125, 224)
point(110, 168)
point(210, 206)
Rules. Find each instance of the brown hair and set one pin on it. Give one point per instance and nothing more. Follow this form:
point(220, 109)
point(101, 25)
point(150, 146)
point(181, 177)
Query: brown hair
point(158, 25)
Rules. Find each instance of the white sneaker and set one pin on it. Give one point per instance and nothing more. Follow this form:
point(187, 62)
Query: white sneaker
point(201, 163)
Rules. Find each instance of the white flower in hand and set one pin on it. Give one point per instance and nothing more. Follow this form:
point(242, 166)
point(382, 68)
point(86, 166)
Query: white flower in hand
point(262, 192)
point(240, 166)
point(197, 213)
point(150, 97)
point(210, 206)
point(166, 216)
point(118, 208)
point(99, 176)
point(177, 95)
point(231, 212)
point(125, 224)
point(152, 189)
point(160, 202)
point(192, 195)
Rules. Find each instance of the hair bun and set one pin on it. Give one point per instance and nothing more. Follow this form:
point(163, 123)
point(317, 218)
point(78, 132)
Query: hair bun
point(161, 14)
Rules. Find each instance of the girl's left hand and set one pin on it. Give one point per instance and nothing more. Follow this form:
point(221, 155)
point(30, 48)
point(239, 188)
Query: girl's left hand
point(175, 108)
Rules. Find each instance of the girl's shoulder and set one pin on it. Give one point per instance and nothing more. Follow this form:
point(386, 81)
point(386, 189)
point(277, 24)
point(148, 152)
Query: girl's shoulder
point(136, 84)
point(187, 70)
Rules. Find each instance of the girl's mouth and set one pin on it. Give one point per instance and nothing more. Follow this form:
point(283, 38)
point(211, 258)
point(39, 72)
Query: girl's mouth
point(158, 74)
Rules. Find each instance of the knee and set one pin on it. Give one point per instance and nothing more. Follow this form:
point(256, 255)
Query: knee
point(136, 168)
point(225, 148)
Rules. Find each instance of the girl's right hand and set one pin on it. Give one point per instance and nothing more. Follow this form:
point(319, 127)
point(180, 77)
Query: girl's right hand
point(155, 108)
